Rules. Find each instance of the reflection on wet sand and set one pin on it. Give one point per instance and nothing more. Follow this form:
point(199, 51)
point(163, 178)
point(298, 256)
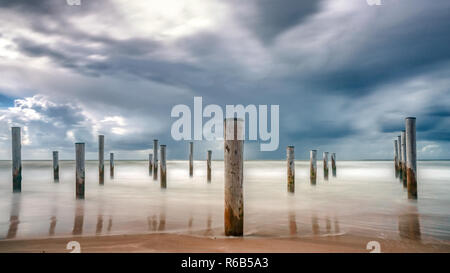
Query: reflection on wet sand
point(79, 219)
point(109, 224)
point(162, 222)
point(328, 225)
point(315, 225)
point(99, 227)
point(152, 223)
point(209, 230)
point(409, 225)
point(14, 216)
point(51, 230)
point(292, 224)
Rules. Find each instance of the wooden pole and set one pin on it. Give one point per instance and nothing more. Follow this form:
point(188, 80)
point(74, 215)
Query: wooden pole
point(333, 164)
point(325, 165)
point(396, 157)
point(55, 166)
point(313, 166)
point(101, 159)
point(150, 164)
point(162, 170)
point(234, 170)
point(16, 159)
point(290, 158)
point(403, 158)
point(208, 165)
point(411, 157)
point(111, 165)
point(79, 173)
point(191, 159)
point(399, 159)
point(155, 159)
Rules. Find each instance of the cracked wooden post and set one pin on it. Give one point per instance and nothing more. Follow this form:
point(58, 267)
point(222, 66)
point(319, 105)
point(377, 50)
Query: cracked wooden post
point(333, 164)
point(411, 157)
point(55, 166)
point(162, 167)
point(313, 166)
point(403, 157)
point(101, 159)
point(234, 170)
point(399, 158)
point(191, 159)
point(79, 173)
point(290, 160)
point(155, 159)
point(325, 165)
point(208, 165)
point(396, 158)
point(16, 159)
point(111, 165)
point(150, 164)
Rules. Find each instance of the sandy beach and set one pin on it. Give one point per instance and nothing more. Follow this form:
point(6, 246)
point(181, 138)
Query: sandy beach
point(172, 243)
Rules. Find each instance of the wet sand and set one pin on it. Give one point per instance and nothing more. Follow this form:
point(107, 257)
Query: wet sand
point(173, 243)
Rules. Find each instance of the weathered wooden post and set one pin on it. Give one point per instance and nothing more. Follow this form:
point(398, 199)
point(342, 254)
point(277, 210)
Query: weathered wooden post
point(162, 169)
point(150, 164)
point(399, 159)
point(16, 159)
point(208, 165)
point(325, 165)
point(111, 165)
point(155, 159)
point(55, 166)
point(403, 158)
point(191, 158)
point(411, 157)
point(101, 159)
point(234, 170)
point(290, 159)
point(333, 164)
point(396, 158)
point(79, 170)
point(313, 166)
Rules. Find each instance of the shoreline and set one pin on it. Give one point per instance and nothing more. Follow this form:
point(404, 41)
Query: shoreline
point(180, 243)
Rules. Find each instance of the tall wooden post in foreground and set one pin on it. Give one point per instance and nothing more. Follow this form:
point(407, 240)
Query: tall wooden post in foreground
point(101, 159)
point(234, 170)
point(333, 163)
point(290, 160)
point(111, 165)
point(411, 157)
point(55, 166)
point(16, 159)
point(191, 158)
point(313, 166)
point(150, 164)
point(79, 170)
point(162, 169)
point(325, 165)
point(208, 165)
point(396, 158)
point(155, 159)
point(404, 172)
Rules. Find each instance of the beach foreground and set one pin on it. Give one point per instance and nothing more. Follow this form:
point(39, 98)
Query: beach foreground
point(173, 243)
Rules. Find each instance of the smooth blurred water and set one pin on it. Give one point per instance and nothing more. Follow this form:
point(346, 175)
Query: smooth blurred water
point(363, 199)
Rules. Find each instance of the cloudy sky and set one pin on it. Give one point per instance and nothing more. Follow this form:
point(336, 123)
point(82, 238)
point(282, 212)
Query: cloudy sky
point(344, 73)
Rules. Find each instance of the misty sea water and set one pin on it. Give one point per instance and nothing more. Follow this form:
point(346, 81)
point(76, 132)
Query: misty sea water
point(365, 199)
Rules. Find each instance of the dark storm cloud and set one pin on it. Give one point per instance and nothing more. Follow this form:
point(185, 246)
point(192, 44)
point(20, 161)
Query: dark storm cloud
point(270, 18)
